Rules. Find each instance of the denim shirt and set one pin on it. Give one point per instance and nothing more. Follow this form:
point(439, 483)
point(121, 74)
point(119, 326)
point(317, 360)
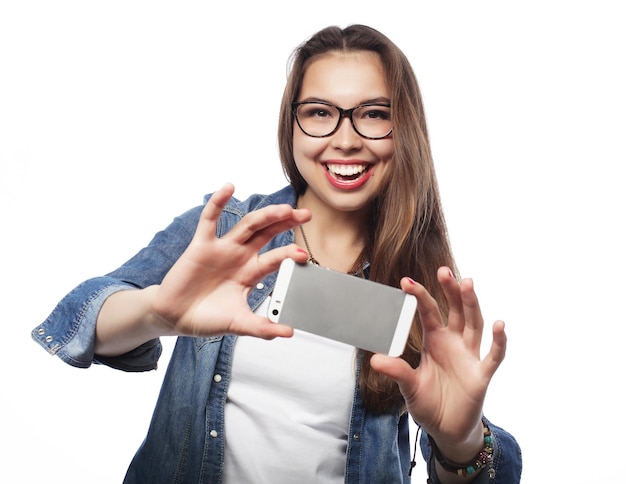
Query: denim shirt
point(185, 440)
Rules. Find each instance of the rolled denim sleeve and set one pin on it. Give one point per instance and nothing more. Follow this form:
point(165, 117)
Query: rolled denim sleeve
point(69, 332)
point(505, 468)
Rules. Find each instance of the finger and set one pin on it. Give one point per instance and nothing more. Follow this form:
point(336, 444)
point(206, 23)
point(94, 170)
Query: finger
point(261, 237)
point(427, 306)
point(452, 291)
point(270, 261)
point(248, 323)
point(494, 358)
point(213, 209)
point(260, 226)
point(474, 321)
point(269, 330)
point(395, 368)
point(260, 327)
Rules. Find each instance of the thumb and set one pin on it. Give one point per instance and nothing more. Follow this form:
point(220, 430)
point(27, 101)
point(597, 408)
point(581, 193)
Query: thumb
point(395, 368)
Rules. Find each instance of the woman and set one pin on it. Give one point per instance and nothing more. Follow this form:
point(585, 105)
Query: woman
point(288, 407)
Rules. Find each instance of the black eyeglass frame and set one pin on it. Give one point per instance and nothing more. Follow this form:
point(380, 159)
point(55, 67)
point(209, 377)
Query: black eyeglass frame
point(343, 113)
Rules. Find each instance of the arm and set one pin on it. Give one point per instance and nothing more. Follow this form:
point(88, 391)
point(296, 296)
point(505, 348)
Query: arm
point(126, 321)
point(204, 293)
point(445, 394)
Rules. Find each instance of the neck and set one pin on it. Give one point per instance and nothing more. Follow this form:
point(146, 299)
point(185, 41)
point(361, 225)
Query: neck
point(335, 238)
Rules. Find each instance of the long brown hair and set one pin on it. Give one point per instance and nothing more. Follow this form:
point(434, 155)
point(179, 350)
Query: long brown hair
point(407, 236)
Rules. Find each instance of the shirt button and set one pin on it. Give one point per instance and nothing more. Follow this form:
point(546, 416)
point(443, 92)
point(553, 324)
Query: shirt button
point(49, 339)
point(356, 436)
point(217, 378)
point(213, 433)
point(41, 331)
point(260, 285)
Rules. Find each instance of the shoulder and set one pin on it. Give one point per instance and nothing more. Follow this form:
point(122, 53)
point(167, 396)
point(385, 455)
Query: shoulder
point(256, 201)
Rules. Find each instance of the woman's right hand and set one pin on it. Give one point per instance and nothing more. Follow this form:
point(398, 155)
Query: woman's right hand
point(205, 292)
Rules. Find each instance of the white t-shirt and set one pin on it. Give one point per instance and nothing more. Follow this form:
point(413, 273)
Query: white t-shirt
point(288, 409)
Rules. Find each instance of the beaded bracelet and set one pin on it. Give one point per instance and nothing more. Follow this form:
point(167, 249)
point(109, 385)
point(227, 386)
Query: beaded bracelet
point(483, 457)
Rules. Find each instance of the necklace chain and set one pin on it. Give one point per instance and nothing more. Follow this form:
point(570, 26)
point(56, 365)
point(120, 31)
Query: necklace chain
point(311, 259)
point(357, 268)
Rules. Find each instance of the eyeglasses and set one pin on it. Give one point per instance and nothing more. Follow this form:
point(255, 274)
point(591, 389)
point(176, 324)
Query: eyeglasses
point(320, 119)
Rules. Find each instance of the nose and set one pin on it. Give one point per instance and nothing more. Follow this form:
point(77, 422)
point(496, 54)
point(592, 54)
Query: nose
point(346, 138)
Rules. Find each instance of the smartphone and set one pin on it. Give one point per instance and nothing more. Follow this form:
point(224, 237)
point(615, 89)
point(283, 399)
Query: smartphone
point(342, 307)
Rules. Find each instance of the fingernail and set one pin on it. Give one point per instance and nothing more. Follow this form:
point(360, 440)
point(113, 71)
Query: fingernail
point(411, 280)
point(452, 274)
point(302, 251)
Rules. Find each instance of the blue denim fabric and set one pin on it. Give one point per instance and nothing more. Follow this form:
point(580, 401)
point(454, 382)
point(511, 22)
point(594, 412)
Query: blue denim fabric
point(185, 440)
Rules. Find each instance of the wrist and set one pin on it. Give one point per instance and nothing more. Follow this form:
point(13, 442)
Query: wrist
point(455, 460)
point(154, 322)
point(459, 448)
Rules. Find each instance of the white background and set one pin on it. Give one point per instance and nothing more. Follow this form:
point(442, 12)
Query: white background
point(117, 116)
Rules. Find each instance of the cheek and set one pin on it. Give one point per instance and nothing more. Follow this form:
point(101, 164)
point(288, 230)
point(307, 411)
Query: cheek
point(383, 150)
point(384, 153)
point(305, 147)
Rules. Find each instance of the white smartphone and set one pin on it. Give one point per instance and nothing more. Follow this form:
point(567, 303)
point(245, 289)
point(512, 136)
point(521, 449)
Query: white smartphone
point(342, 307)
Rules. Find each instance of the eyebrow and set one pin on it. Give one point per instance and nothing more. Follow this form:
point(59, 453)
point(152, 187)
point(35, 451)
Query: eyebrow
point(380, 99)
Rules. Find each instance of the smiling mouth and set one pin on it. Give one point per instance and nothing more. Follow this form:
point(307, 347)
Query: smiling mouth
point(343, 172)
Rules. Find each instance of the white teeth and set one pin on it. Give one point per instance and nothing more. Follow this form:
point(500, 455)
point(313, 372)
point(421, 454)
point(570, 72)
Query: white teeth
point(346, 170)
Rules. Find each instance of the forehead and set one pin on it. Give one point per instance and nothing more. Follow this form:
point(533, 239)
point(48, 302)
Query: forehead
point(345, 77)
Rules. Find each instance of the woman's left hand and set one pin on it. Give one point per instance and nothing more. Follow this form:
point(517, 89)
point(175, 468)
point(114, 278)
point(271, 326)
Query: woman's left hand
point(445, 393)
